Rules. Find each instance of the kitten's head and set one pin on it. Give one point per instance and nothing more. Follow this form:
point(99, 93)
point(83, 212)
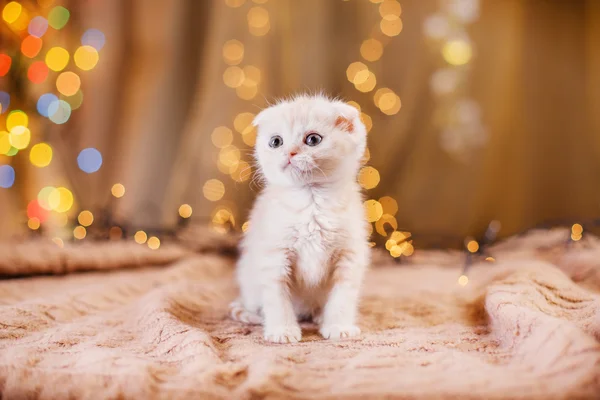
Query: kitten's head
point(309, 140)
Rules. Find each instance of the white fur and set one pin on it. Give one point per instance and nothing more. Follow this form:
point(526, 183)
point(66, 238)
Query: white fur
point(306, 251)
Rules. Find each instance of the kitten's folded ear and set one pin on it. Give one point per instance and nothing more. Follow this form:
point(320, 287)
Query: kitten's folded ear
point(347, 116)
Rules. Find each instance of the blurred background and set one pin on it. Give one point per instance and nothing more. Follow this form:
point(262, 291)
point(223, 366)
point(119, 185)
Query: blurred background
point(128, 118)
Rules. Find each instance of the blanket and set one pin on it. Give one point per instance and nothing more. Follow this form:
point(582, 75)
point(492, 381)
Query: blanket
point(119, 321)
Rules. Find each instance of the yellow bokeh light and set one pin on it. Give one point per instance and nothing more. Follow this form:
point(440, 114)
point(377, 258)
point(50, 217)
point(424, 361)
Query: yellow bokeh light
point(472, 246)
point(368, 177)
point(68, 83)
point(576, 237)
point(577, 229)
point(366, 157)
point(154, 243)
point(260, 30)
point(222, 136)
point(65, 201)
point(390, 206)
point(85, 218)
point(386, 219)
point(79, 232)
point(463, 280)
point(140, 237)
point(16, 118)
point(185, 211)
point(11, 12)
point(371, 49)
point(222, 215)
point(118, 190)
point(33, 223)
point(367, 120)
point(5, 145)
point(260, 1)
point(243, 121)
point(213, 190)
point(48, 198)
point(252, 75)
point(245, 226)
point(396, 251)
point(368, 84)
point(354, 69)
point(57, 58)
point(86, 58)
point(40, 155)
point(242, 172)
point(19, 137)
point(391, 25)
point(234, 3)
point(399, 236)
point(490, 259)
point(229, 156)
point(408, 249)
point(233, 76)
point(390, 8)
point(258, 17)
point(373, 210)
point(246, 92)
point(457, 52)
point(249, 136)
point(59, 242)
point(233, 52)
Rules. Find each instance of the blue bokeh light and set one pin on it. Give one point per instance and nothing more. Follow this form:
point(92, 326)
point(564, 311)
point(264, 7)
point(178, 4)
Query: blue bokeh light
point(43, 104)
point(38, 26)
point(7, 176)
point(4, 101)
point(94, 38)
point(89, 160)
point(59, 111)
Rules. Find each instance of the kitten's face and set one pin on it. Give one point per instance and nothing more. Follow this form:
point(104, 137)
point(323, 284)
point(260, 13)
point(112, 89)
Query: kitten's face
point(309, 140)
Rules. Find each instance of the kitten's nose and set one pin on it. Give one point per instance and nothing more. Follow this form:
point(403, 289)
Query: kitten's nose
point(293, 153)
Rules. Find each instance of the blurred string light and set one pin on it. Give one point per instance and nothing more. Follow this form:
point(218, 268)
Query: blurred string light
point(382, 212)
point(7, 176)
point(457, 116)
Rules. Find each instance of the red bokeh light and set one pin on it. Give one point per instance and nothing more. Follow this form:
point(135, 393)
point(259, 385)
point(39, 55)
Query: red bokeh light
point(38, 72)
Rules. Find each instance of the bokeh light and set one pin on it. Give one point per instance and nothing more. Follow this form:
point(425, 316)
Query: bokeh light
point(5, 145)
point(368, 84)
point(40, 155)
point(33, 223)
point(13, 151)
point(245, 226)
point(57, 58)
point(19, 137)
point(59, 112)
point(390, 7)
point(94, 38)
point(65, 200)
point(58, 199)
point(373, 210)
point(213, 190)
point(86, 57)
point(89, 160)
point(43, 104)
point(233, 76)
point(31, 46)
point(387, 101)
point(463, 280)
point(258, 21)
point(7, 176)
point(48, 198)
point(37, 72)
point(242, 172)
point(4, 102)
point(243, 121)
point(472, 246)
point(230, 157)
point(140, 237)
point(74, 101)
point(79, 232)
point(16, 118)
point(368, 177)
point(85, 218)
point(118, 190)
point(185, 211)
point(58, 17)
point(34, 210)
point(436, 26)
point(153, 243)
point(246, 92)
point(457, 52)
point(38, 26)
point(5, 63)
point(11, 12)
point(371, 49)
point(391, 25)
point(234, 3)
point(59, 242)
point(233, 52)
point(68, 83)
point(221, 136)
point(386, 219)
point(389, 205)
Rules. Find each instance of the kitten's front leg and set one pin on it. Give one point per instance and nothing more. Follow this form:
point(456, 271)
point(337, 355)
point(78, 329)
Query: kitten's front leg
point(339, 313)
point(280, 322)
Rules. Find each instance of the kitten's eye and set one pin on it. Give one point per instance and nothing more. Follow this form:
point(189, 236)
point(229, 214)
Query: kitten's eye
point(275, 142)
point(313, 139)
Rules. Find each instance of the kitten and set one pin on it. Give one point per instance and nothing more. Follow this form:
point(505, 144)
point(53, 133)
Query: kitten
point(306, 249)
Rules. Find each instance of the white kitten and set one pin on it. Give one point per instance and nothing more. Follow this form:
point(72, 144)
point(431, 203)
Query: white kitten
point(306, 251)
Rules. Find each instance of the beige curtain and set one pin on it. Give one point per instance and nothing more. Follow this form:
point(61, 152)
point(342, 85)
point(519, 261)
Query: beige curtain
point(158, 93)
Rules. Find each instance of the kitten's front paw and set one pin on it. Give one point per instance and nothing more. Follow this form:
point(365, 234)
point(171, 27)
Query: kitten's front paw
point(335, 331)
point(283, 334)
